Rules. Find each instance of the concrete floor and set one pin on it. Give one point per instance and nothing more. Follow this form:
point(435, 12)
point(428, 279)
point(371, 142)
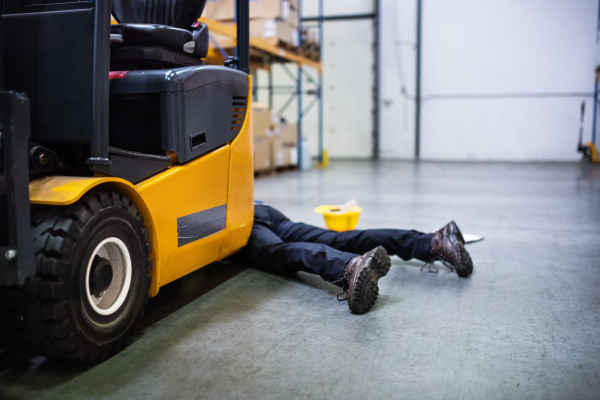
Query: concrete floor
point(525, 325)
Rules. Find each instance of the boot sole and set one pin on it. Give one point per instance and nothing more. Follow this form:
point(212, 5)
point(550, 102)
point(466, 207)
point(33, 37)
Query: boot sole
point(364, 290)
point(464, 260)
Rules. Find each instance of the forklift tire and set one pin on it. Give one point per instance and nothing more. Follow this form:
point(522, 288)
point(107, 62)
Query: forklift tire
point(92, 281)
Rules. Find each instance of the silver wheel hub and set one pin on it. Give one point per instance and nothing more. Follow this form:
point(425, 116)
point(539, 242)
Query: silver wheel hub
point(114, 255)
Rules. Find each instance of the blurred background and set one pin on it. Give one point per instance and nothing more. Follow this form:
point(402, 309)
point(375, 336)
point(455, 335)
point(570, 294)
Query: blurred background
point(494, 81)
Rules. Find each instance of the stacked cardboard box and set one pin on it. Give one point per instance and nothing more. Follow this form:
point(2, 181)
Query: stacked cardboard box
point(289, 133)
point(272, 20)
point(285, 146)
point(275, 144)
point(310, 45)
point(263, 128)
point(262, 155)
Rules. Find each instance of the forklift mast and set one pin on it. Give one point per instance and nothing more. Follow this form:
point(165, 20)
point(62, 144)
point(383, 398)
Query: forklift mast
point(57, 52)
point(242, 12)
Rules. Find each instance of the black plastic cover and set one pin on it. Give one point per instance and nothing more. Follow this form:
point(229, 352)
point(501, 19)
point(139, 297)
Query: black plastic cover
point(132, 166)
point(201, 40)
point(175, 80)
point(125, 57)
point(135, 122)
point(201, 109)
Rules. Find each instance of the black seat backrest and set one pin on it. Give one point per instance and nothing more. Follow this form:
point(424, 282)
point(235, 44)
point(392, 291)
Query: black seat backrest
point(176, 13)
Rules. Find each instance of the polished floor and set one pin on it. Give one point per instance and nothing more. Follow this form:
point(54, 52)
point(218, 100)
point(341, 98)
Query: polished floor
point(525, 325)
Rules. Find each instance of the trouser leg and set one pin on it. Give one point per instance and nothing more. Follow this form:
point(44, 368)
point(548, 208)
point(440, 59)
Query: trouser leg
point(267, 251)
point(405, 244)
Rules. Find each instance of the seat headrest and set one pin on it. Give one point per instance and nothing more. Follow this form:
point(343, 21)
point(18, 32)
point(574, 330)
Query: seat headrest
point(176, 13)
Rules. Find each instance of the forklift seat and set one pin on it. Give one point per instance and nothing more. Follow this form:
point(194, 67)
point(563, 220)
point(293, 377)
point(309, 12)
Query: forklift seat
point(161, 96)
point(156, 34)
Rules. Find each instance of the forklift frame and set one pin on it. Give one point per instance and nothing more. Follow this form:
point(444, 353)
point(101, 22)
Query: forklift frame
point(17, 263)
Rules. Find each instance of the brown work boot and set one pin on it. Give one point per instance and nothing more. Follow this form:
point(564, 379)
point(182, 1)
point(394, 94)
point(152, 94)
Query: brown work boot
point(448, 246)
point(360, 279)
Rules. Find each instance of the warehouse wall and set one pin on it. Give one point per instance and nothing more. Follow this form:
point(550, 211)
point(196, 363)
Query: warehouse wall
point(397, 79)
point(347, 82)
point(501, 80)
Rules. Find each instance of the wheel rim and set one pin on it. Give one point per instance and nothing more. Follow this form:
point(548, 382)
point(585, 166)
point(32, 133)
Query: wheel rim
point(115, 251)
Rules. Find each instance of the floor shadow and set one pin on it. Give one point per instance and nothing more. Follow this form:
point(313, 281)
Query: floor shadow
point(183, 291)
point(17, 360)
point(315, 281)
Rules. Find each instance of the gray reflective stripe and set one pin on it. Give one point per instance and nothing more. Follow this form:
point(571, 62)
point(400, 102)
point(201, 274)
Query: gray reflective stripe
point(201, 224)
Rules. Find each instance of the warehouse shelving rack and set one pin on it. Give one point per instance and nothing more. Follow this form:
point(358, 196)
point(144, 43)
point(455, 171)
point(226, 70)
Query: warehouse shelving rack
point(264, 54)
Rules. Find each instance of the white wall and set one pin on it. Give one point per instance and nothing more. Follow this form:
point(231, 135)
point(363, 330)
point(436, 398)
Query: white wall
point(397, 79)
point(501, 80)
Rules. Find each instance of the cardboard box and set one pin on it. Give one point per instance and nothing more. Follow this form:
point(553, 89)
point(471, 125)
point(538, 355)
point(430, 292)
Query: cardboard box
point(289, 133)
point(277, 153)
point(262, 154)
point(273, 31)
point(283, 154)
point(292, 151)
point(270, 9)
point(310, 36)
point(293, 18)
point(262, 121)
point(224, 10)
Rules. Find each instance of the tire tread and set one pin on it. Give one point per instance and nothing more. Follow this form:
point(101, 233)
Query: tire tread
point(40, 307)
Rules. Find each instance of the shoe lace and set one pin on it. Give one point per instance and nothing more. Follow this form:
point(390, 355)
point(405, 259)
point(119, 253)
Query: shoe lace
point(433, 268)
point(344, 287)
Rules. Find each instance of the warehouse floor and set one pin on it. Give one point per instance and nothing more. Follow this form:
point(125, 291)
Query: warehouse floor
point(525, 325)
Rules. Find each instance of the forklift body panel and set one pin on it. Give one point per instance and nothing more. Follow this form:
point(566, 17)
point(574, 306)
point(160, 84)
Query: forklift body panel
point(196, 213)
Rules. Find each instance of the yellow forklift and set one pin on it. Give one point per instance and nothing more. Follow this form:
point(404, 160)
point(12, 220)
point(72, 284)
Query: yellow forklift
point(125, 163)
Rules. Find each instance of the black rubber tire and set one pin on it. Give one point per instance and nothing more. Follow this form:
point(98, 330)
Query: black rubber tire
point(53, 308)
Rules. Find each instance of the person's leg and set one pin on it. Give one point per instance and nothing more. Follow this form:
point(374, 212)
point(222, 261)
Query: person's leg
point(266, 251)
point(268, 216)
point(404, 244)
point(356, 274)
point(446, 244)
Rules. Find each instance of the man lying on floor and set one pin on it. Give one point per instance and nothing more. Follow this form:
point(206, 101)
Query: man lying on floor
point(284, 247)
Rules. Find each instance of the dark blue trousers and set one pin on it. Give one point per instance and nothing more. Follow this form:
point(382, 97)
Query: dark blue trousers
point(284, 247)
